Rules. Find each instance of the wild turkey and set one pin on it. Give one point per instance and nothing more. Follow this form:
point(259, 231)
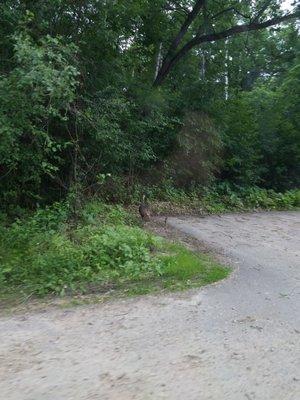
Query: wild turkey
point(144, 210)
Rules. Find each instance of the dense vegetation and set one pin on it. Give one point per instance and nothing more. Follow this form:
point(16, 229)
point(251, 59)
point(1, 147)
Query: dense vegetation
point(89, 102)
point(106, 249)
point(194, 103)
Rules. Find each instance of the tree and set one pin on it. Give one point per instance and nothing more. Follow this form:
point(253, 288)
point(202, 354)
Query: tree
point(205, 21)
point(34, 101)
point(78, 102)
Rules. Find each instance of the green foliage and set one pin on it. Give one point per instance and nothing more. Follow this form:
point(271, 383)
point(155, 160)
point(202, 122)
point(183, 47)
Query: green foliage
point(242, 151)
point(35, 95)
point(46, 253)
point(79, 116)
point(261, 138)
point(53, 263)
point(97, 213)
point(126, 135)
point(77, 101)
point(220, 198)
point(225, 197)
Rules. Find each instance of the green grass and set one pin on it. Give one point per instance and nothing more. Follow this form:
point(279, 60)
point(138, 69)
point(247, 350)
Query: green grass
point(184, 265)
point(104, 253)
point(184, 269)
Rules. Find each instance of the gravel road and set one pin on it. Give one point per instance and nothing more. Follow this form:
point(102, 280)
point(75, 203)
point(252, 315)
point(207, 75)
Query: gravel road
point(238, 339)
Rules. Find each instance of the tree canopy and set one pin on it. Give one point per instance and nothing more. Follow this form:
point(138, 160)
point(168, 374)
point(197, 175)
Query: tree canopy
point(99, 94)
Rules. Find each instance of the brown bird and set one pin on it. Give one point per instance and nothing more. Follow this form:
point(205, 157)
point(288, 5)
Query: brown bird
point(144, 210)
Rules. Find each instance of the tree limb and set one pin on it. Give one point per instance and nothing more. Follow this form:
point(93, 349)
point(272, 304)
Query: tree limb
point(178, 38)
point(189, 19)
point(198, 40)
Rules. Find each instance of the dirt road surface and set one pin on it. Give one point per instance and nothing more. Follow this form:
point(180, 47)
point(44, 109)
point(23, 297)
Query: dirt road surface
point(238, 339)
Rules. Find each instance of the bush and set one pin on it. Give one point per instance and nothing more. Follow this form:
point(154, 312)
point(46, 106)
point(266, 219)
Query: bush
point(54, 263)
point(49, 253)
point(44, 254)
point(224, 197)
point(121, 251)
point(35, 99)
point(221, 197)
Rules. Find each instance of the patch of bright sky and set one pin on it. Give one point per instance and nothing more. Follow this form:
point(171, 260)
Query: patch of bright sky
point(287, 4)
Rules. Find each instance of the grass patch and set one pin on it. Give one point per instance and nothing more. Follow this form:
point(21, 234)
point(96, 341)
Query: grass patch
point(103, 252)
point(183, 269)
point(183, 265)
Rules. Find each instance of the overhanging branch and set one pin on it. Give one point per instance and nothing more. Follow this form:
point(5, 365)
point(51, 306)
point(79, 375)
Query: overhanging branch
point(189, 19)
point(178, 38)
point(212, 37)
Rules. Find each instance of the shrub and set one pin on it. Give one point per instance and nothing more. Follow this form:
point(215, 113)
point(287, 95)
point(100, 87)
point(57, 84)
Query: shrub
point(44, 254)
point(35, 99)
point(232, 197)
